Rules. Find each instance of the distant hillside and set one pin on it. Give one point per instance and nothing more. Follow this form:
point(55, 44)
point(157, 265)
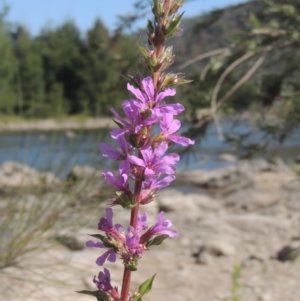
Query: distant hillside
point(211, 31)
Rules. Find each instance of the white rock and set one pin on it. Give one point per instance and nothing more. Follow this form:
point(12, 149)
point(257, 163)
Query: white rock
point(219, 248)
point(227, 157)
point(205, 258)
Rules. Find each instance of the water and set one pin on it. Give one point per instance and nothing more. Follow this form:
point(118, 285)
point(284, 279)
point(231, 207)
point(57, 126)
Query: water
point(58, 152)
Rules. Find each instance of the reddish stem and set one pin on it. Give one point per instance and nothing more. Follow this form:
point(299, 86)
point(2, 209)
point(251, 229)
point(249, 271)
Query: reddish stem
point(133, 223)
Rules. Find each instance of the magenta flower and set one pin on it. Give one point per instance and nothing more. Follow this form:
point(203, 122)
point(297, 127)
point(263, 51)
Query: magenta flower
point(112, 153)
point(153, 160)
point(135, 248)
point(120, 182)
point(103, 281)
point(153, 101)
point(142, 222)
point(148, 96)
point(160, 228)
point(104, 285)
point(135, 119)
point(169, 126)
point(151, 185)
point(106, 225)
point(109, 255)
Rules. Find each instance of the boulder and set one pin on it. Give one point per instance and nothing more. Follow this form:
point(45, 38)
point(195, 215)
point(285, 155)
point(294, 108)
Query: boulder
point(218, 182)
point(219, 248)
point(14, 174)
point(175, 200)
point(79, 172)
point(226, 157)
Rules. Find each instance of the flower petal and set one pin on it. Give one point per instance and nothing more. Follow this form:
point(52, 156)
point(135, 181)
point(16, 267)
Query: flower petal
point(94, 244)
point(181, 140)
point(165, 93)
point(173, 109)
point(148, 87)
point(136, 161)
point(100, 260)
point(137, 92)
point(109, 152)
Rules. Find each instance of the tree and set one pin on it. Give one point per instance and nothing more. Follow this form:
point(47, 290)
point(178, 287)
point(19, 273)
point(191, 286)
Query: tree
point(29, 72)
point(8, 67)
point(60, 50)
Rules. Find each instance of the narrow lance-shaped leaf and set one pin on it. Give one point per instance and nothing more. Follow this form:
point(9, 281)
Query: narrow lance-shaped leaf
point(144, 288)
point(97, 294)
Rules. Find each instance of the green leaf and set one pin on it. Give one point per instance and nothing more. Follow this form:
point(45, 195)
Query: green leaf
point(119, 124)
point(98, 236)
point(144, 288)
point(125, 200)
point(254, 21)
point(173, 26)
point(143, 51)
point(99, 295)
point(156, 241)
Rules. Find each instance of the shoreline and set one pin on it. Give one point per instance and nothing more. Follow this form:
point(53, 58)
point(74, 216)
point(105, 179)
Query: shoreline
point(57, 125)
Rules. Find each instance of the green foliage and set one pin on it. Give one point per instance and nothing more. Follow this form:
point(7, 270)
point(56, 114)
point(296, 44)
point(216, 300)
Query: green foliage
point(245, 58)
point(144, 288)
point(98, 294)
point(8, 66)
point(236, 285)
point(60, 72)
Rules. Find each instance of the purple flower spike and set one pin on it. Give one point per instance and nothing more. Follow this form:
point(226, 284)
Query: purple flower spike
point(153, 162)
point(169, 126)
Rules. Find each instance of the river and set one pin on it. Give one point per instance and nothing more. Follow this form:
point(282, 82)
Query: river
point(58, 152)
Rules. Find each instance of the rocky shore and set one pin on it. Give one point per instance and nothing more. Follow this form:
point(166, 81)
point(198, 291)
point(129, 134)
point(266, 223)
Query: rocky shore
point(56, 125)
point(246, 215)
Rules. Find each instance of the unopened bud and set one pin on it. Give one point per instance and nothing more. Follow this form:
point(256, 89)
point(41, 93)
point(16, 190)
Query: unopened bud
point(172, 26)
point(138, 172)
point(125, 200)
point(139, 139)
point(175, 6)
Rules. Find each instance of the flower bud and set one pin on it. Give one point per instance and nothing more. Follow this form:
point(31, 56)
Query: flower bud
point(125, 200)
point(139, 139)
point(175, 6)
point(132, 264)
point(138, 172)
point(172, 26)
point(147, 196)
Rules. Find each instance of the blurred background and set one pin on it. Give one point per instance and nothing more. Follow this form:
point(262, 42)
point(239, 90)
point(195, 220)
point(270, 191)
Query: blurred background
point(64, 65)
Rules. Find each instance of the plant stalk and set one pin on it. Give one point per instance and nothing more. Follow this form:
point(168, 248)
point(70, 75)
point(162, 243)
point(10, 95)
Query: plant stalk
point(133, 223)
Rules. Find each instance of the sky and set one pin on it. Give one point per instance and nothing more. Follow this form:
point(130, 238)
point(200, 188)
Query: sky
point(36, 14)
